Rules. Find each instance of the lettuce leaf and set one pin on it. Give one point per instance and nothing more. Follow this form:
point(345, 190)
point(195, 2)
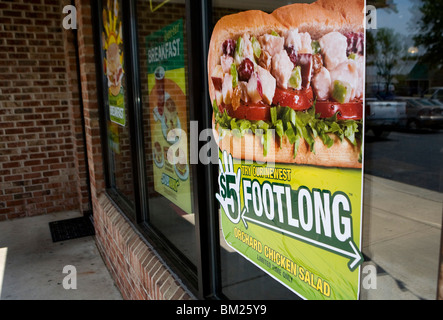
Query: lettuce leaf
point(294, 125)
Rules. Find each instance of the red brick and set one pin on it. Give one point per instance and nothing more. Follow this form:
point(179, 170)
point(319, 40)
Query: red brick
point(35, 54)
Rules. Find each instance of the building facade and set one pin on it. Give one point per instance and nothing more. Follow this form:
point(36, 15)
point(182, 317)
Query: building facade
point(69, 142)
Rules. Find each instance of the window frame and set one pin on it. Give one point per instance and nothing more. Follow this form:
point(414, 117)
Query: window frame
point(200, 24)
point(203, 276)
point(119, 199)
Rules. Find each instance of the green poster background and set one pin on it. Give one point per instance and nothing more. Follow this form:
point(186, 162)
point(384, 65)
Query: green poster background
point(312, 265)
point(165, 48)
point(113, 62)
point(165, 51)
point(117, 111)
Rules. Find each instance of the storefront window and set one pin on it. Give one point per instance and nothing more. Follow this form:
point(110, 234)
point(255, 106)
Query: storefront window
point(115, 96)
point(388, 248)
point(403, 183)
point(402, 201)
point(166, 112)
point(240, 278)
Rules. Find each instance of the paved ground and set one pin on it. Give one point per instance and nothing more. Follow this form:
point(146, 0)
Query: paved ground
point(31, 264)
point(402, 232)
point(411, 157)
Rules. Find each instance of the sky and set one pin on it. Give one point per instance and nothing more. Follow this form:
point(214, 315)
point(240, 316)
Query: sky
point(401, 21)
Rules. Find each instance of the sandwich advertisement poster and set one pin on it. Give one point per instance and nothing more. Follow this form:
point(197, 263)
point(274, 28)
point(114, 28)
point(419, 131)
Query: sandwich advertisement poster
point(168, 114)
point(113, 61)
point(287, 92)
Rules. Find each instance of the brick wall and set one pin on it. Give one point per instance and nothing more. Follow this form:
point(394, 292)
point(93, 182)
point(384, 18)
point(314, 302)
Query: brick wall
point(76, 117)
point(89, 97)
point(38, 172)
point(138, 271)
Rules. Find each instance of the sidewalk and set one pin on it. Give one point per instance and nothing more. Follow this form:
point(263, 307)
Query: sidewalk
point(401, 236)
point(31, 264)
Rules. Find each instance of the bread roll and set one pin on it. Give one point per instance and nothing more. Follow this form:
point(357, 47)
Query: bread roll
point(318, 19)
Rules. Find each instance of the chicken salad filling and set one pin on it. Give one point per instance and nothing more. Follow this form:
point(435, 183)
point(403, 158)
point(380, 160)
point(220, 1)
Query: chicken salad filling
point(290, 83)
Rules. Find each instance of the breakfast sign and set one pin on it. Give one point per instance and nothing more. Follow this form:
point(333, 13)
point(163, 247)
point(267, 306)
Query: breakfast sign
point(287, 98)
point(168, 114)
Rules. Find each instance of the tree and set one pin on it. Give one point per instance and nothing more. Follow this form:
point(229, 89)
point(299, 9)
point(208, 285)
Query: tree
point(386, 49)
point(430, 35)
point(370, 44)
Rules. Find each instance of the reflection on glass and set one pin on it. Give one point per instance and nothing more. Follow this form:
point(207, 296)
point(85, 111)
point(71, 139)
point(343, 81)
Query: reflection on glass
point(403, 184)
point(241, 279)
point(118, 126)
point(163, 72)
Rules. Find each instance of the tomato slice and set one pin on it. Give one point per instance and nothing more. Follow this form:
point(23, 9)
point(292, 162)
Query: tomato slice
point(345, 111)
point(296, 99)
point(250, 111)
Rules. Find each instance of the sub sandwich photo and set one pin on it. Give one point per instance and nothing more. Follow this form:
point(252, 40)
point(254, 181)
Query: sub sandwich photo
point(288, 87)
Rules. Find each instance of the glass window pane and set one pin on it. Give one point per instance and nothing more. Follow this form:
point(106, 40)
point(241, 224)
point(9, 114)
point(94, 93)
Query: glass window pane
point(164, 84)
point(241, 279)
point(119, 142)
point(403, 184)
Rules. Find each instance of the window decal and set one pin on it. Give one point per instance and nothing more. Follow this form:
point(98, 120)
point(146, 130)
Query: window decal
point(287, 91)
point(168, 114)
point(113, 61)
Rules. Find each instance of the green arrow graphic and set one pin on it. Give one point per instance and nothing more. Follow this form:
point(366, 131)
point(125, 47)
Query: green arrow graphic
point(356, 258)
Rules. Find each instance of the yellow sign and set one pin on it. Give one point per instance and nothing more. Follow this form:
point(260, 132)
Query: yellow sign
point(153, 9)
point(168, 115)
point(113, 62)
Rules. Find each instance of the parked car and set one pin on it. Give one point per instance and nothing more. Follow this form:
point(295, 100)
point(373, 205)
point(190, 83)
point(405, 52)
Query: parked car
point(434, 93)
point(384, 116)
point(378, 90)
point(423, 113)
